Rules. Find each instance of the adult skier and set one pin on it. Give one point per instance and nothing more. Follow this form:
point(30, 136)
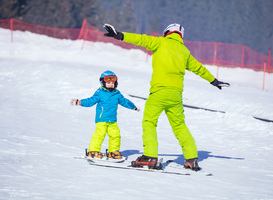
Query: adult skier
point(170, 60)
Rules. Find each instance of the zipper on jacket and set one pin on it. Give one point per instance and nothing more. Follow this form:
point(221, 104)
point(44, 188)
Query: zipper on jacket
point(101, 112)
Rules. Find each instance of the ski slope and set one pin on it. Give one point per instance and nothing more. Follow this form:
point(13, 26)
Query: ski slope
point(40, 132)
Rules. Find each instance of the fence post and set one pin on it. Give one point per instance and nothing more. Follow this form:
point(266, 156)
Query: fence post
point(215, 52)
point(243, 54)
point(11, 29)
point(264, 74)
point(217, 74)
point(85, 35)
point(269, 58)
point(83, 25)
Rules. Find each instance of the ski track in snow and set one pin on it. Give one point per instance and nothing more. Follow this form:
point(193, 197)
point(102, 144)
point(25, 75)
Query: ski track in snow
point(40, 132)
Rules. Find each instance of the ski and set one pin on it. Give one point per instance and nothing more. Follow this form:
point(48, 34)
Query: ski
point(170, 167)
point(104, 159)
point(175, 166)
point(127, 165)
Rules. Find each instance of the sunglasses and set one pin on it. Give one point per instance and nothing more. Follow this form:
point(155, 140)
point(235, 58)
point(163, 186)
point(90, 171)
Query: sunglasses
point(109, 79)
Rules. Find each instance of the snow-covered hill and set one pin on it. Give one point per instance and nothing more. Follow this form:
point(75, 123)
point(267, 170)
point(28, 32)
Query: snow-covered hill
point(40, 132)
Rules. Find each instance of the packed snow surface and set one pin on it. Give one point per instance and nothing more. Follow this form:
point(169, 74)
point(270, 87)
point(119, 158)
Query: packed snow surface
point(40, 132)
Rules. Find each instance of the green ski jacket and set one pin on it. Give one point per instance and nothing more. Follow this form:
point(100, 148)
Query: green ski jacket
point(170, 60)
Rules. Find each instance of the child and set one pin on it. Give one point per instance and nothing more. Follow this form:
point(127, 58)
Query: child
point(107, 99)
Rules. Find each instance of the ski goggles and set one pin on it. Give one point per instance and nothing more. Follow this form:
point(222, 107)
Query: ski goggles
point(109, 79)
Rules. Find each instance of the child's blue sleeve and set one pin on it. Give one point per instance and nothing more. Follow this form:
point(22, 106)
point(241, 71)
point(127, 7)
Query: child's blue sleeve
point(126, 102)
point(91, 100)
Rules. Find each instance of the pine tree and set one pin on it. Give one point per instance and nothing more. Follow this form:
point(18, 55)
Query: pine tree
point(128, 18)
point(49, 13)
point(89, 10)
point(13, 9)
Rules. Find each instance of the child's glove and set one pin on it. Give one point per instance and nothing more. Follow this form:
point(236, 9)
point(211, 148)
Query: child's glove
point(75, 102)
point(219, 84)
point(136, 109)
point(112, 32)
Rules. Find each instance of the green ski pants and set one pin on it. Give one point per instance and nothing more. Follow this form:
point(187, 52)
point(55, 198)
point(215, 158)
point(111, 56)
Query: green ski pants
point(169, 100)
point(112, 131)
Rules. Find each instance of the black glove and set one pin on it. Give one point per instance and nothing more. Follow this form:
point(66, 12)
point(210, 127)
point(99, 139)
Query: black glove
point(219, 84)
point(112, 32)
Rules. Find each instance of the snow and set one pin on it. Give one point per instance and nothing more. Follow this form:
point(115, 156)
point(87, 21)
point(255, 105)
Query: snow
point(40, 132)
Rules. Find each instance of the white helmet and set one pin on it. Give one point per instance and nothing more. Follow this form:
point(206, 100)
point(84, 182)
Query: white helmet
point(174, 28)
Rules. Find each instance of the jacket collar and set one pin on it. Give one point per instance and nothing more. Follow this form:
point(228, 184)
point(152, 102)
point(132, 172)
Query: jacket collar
point(102, 88)
point(176, 37)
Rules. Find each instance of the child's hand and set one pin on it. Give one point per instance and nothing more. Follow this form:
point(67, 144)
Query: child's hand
point(75, 102)
point(137, 109)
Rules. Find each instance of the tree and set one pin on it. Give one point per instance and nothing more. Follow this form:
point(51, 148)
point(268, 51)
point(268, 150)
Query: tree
point(49, 13)
point(13, 9)
point(90, 10)
point(128, 18)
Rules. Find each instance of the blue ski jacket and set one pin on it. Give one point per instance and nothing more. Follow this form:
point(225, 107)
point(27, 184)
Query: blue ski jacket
point(107, 104)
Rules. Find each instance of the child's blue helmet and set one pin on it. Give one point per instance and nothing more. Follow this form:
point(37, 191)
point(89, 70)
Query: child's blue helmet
point(108, 76)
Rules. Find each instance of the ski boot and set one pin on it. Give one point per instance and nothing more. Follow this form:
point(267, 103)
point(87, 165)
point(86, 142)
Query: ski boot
point(151, 162)
point(192, 164)
point(93, 154)
point(114, 155)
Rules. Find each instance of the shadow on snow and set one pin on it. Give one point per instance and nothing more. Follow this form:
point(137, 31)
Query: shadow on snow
point(179, 158)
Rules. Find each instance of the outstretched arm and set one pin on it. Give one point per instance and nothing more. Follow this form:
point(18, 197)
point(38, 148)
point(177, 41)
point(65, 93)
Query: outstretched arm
point(149, 42)
point(86, 102)
point(127, 103)
point(199, 69)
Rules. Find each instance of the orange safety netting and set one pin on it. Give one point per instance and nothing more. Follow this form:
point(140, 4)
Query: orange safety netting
point(213, 53)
